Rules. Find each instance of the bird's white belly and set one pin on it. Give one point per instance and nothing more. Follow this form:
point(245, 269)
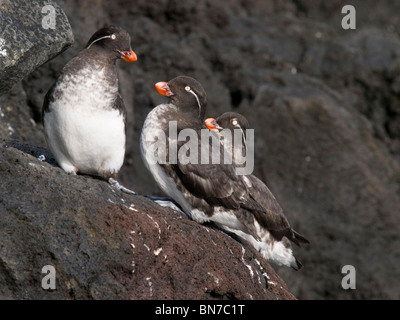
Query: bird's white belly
point(151, 136)
point(89, 141)
point(83, 132)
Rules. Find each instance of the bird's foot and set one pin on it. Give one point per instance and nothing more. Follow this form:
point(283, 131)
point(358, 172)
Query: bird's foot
point(166, 202)
point(120, 187)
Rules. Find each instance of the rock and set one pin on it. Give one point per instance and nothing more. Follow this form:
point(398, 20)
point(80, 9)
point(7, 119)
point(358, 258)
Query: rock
point(104, 244)
point(324, 103)
point(17, 119)
point(31, 33)
point(107, 245)
point(341, 186)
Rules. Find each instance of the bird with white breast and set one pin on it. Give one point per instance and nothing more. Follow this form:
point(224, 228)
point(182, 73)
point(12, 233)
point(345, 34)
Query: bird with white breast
point(84, 116)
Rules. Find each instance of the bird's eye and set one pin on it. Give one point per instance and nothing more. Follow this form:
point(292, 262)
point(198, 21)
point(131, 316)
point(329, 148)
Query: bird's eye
point(113, 36)
point(187, 88)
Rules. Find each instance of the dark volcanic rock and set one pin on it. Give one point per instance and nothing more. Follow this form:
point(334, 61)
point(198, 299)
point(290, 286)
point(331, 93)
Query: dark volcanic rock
point(342, 182)
point(28, 38)
point(102, 244)
point(324, 103)
point(17, 119)
point(107, 245)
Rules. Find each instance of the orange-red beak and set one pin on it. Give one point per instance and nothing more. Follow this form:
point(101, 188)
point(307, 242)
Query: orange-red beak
point(163, 89)
point(212, 124)
point(129, 56)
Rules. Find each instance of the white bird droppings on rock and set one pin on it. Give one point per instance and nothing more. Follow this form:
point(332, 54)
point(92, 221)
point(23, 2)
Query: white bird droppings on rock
point(247, 265)
point(157, 251)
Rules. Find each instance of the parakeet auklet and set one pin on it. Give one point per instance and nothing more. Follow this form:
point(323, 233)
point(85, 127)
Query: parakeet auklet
point(84, 116)
point(205, 191)
point(275, 230)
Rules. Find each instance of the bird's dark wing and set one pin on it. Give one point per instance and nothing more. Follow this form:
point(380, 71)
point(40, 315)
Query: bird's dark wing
point(48, 98)
point(272, 218)
point(217, 184)
point(120, 106)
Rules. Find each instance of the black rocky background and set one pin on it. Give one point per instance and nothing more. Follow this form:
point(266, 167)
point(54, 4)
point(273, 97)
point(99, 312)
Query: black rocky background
point(324, 103)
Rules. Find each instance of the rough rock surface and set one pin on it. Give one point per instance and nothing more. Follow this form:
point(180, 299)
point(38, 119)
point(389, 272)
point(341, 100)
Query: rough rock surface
point(107, 245)
point(324, 103)
point(29, 38)
point(31, 33)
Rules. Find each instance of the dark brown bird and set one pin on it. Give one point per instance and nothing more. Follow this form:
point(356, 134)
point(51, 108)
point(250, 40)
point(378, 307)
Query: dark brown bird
point(84, 116)
point(205, 191)
point(276, 227)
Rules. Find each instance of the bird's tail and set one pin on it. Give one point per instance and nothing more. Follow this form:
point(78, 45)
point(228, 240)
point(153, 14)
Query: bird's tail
point(296, 265)
point(298, 238)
